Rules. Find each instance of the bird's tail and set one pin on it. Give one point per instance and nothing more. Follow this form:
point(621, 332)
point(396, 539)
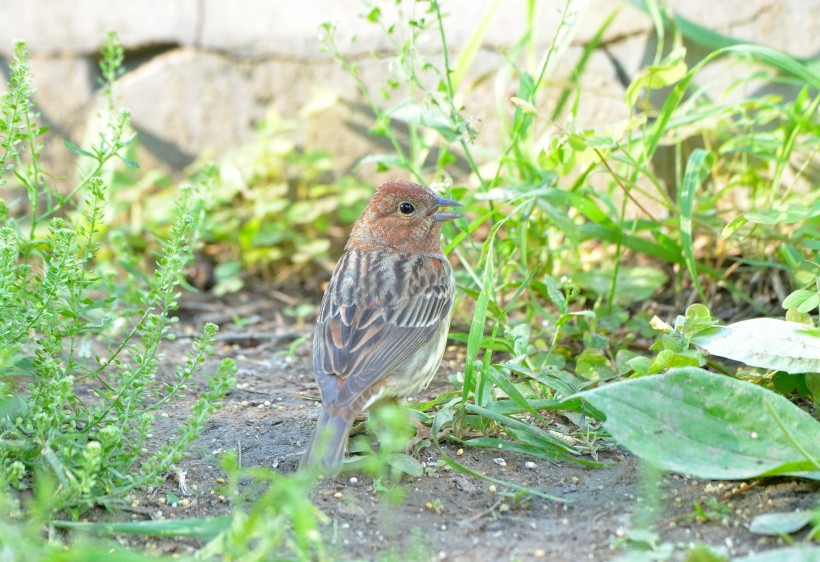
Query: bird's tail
point(327, 447)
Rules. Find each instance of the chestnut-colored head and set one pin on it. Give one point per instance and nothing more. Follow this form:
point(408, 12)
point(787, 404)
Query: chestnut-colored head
point(403, 215)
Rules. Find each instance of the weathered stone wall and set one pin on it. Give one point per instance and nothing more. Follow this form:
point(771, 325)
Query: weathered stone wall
point(202, 72)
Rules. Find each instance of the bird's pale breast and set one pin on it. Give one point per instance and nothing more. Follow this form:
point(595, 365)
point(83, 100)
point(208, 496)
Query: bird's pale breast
point(416, 373)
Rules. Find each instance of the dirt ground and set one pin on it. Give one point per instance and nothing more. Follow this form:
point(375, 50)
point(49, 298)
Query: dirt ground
point(270, 415)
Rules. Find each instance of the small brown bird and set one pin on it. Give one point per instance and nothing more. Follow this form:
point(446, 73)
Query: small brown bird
point(384, 317)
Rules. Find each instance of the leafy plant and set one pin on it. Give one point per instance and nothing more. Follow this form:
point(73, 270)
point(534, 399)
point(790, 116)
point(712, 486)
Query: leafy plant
point(545, 195)
point(278, 212)
point(696, 431)
point(79, 380)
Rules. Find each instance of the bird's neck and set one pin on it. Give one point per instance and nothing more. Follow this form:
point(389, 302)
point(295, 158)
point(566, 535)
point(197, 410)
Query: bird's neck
point(411, 242)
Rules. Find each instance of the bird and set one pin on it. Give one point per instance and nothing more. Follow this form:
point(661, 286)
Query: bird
point(383, 321)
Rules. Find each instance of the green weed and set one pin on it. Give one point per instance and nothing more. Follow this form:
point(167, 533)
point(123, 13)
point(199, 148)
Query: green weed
point(79, 379)
point(731, 220)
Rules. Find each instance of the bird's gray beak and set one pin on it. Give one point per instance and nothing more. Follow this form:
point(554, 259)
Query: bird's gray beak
point(445, 215)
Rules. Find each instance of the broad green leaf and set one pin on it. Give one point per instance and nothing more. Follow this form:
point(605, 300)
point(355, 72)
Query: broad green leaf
point(709, 426)
point(781, 523)
point(640, 364)
point(798, 297)
point(668, 359)
point(810, 303)
point(766, 343)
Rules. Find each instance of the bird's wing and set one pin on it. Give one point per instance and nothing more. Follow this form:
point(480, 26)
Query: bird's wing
point(376, 312)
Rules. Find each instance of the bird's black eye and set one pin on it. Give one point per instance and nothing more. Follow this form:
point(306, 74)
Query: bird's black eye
point(406, 208)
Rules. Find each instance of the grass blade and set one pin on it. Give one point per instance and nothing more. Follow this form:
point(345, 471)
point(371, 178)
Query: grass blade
point(204, 528)
point(467, 55)
point(697, 168)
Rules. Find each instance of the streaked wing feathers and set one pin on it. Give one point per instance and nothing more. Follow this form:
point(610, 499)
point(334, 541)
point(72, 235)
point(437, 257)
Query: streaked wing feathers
point(364, 333)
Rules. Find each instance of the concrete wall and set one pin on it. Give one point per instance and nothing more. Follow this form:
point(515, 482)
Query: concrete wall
point(201, 73)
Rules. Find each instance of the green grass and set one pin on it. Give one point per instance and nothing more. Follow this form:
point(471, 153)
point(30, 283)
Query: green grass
point(701, 197)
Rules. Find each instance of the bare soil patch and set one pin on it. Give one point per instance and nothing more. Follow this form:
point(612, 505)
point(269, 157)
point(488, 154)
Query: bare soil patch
point(269, 418)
